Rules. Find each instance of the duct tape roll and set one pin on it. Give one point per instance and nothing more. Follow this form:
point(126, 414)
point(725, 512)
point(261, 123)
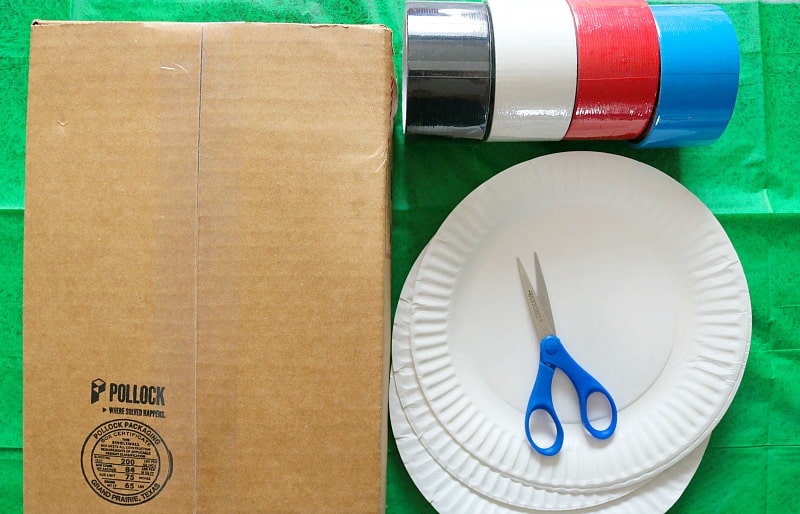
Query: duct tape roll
point(535, 69)
point(699, 76)
point(618, 69)
point(447, 69)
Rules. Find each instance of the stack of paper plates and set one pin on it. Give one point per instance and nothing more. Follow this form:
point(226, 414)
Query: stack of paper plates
point(647, 292)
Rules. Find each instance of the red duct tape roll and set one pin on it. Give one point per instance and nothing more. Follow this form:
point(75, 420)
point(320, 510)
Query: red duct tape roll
point(618, 69)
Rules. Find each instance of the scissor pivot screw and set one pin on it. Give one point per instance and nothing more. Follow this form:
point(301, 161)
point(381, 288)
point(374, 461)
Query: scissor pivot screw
point(551, 345)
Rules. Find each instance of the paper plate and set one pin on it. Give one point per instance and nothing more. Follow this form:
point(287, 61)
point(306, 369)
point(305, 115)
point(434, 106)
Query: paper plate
point(647, 292)
point(490, 488)
point(448, 455)
point(448, 495)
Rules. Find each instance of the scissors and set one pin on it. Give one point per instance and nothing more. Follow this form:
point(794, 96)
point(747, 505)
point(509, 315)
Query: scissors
point(552, 355)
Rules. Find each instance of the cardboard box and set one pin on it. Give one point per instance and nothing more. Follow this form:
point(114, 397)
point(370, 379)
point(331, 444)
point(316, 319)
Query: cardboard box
point(206, 267)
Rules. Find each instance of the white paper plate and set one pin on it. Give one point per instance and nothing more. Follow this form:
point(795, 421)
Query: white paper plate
point(449, 456)
point(647, 293)
point(488, 487)
point(448, 495)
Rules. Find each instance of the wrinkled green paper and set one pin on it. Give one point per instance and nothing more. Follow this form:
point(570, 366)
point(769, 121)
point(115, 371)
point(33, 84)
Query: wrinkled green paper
point(749, 178)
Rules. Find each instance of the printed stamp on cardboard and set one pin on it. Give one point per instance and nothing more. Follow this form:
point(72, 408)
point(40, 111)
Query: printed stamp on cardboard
point(126, 462)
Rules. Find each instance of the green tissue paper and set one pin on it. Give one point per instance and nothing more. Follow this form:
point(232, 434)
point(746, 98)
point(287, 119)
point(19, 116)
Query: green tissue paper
point(750, 179)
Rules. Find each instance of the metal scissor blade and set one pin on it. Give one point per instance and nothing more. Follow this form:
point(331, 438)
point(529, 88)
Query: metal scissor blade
point(541, 323)
point(543, 297)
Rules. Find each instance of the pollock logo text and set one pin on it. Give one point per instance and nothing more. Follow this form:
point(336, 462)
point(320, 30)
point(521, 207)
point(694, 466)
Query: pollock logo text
point(137, 394)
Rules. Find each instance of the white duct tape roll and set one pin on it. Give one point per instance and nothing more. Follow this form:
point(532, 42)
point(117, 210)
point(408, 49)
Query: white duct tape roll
point(536, 67)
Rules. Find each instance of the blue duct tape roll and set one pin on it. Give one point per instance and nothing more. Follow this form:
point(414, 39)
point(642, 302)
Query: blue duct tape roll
point(699, 76)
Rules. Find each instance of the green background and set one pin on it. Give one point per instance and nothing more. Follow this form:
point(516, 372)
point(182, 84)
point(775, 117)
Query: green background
point(749, 179)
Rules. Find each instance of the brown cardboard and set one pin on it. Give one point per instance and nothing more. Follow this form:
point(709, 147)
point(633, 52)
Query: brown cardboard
point(206, 233)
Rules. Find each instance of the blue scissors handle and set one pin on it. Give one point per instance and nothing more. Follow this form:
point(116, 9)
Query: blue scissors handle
point(553, 355)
